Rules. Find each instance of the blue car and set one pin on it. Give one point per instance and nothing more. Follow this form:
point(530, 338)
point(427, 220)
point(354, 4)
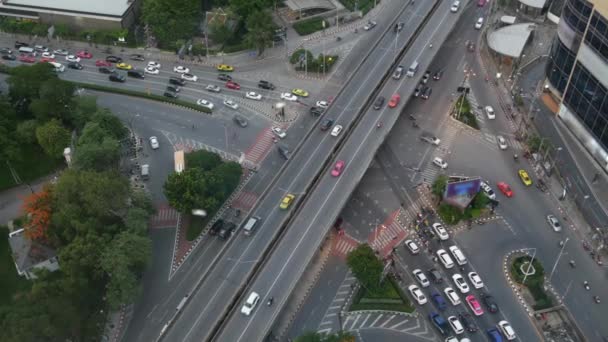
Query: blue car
point(494, 335)
point(439, 300)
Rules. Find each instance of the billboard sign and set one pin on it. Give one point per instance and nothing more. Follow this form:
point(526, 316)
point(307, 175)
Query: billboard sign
point(462, 192)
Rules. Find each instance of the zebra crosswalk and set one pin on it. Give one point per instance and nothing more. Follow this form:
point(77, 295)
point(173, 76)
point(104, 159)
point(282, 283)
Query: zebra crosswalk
point(245, 201)
point(165, 217)
point(262, 145)
point(412, 325)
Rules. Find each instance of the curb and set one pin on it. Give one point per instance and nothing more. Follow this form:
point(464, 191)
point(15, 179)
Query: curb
point(512, 283)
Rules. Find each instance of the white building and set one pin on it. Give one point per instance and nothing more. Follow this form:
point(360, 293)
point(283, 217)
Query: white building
point(30, 255)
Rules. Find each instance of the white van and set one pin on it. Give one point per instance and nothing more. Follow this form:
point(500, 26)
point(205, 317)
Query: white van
point(26, 49)
point(58, 66)
point(458, 255)
point(145, 172)
point(412, 70)
point(251, 224)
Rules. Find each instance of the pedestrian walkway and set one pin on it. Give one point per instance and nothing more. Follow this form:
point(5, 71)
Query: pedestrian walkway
point(396, 322)
point(388, 234)
point(331, 319)
point(262, 145)
point(343, 244)
point(189, 145)
point(165, 217)
point(245, 201)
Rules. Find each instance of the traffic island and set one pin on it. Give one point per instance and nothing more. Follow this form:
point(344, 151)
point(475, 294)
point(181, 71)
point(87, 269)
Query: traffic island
point(529, 274)
point(387, 297)
point(463, 113)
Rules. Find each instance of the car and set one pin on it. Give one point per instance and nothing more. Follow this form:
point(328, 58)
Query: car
point(189, 77)
point(177, 81)
point(105, 70)
point(287, 200)
point(223, 77)
point(170, 94)
point(475, 280)
point(240, 120)
point(5, 50)
point(299, 92)
point(226, 230)
point(265, 85)
point(489, 302)
point(554, 223)
point(426, 77)
point(154, 143)
point(431, 139)
point(379, 102)
point(279, 132)
point(27, 59)
point(474, 305)
point(224, 67)
point(75, 65)
point(468, 322)
point(9, 57)
point(399, 27)
point(253, 95)
point(137, 57)
point(283, 151)
point(490, 112)
point(412, 246)
point(437, 75)
point(461, 284)
point(455, 6)
point(506, 330)
point(440, 230)
point(47, 60)
point(336, 130)
point(151, 70)
point(398, 72)
point(418, 90)
point(316, 111)
point(154, 64)
point(525, 178)
point(417, 294)
point(173, 88)
point(113, 59)
point(435, 276)
point(231, 104)
point(72, 58)
point(426, 93)
point(213, 88)
point(124, 66)
point(48, 55)
point(370, 25)
point(61, 52)
point(181, 69)
point(421, 277)
point(445, 259)
point(41, 48)
point(215, 228)
point(326, 124)
point(488, 190)
point(289, 97)
point(440, 163)
point(84, 54)
point(502, 142)
point(102, 63)
point(479, 23)
point(205, 103)
point(439, 300)
point(322, 104)
point(394, 101)
point(505, 189)
point(454, 339)
point(494, 335)
point(456, 325)
point(338, 168)
point(439, 322)
point(233, 85)
point(250, 303)
point(19, 44)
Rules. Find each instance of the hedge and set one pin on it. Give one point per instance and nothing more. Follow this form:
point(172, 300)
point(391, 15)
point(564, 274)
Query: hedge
point(390, 297)
point(309, 26)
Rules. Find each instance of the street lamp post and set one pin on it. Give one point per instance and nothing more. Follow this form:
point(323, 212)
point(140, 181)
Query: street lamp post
point(529, 265)
point(323, 24)
point(556, 156)
point(558, 257)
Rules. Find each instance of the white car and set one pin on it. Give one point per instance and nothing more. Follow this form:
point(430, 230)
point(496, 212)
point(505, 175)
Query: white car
point(422, 279)
point(189, 77)
point(213, 88)
point(370, 25)
point(488, 190)
point(475, 280)
point(181, 69)
point(61, 52)
point(289, 97)
point(461, 284)
point(455, 6)
point(231, 104)
point(204, 103)
point(440, 230)
point(322, 104)
point(151, 70)
point(440, 163)
point(154, 64)
point(417, 294)
point(502, 142)
point(253, 95)
point(412, 246)
point(554, 223)
point(250, 304)
point(479, 23)
point(456, 325)
point(452, 295)
point(490, 112)
point(445, 258)
point(48, 55)
point(506, 330)
point(336, 130)
point(279, 132)
point(431, 139)
point(72, 58)
point(154, 143)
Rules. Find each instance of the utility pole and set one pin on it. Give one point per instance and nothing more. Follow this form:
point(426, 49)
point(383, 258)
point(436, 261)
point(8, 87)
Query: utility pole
point(529, 265)
point(558, 257)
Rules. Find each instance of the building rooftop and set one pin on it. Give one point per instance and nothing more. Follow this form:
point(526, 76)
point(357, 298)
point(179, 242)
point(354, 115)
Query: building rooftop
point(297, 5)
point(534, 3)
point(114, 8)
point(27, 253)
point(511, 40)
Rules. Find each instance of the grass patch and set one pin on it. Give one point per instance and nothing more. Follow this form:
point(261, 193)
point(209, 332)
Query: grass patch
point(388, 297)
point(36, 164)
point(534, 283)
point(11, 282)
point(309, 26)
point(362, 5)
point(195, 225)
point(463, 112)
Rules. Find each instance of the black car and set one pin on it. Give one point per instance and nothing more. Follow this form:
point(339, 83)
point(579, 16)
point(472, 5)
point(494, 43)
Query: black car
point(138, 57)
point(113, 59)
point(265, 85)
point(173, 88)
point(224, 77)
point(170, 94)
point(419, 89)
point(468, 322)
point(379, 102)
point(426, 93)
point(177, 81)
point(114, 77)
point(5, 50)
point(490, 303)
point(19, 44)
point(426, 76)
point(105, 70)
point(215, 228)
point(136, 73)
point(326, 124)
point(241, 121)
point(437, 75)
point(9, 57)
point(283, 151)
point(226, 230)
point(75, 65)
point(398, 27)
point(435, 276)
point(316, 111)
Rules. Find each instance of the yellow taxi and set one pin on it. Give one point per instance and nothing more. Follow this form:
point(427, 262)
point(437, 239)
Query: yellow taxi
point(225, 67)
point(525, 178)
point(287, 200)
point(124, 66)
point(300, 92)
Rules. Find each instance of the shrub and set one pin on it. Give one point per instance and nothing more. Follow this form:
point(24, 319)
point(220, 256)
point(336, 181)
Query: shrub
point(309, 26)
point(449, 214)
point(310, 63)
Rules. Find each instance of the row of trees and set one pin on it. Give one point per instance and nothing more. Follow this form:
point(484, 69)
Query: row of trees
point(90, 216)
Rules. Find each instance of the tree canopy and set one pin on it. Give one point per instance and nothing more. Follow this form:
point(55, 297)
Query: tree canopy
point(259, 30)
point(313, 336)
point(172, 20)
point(366, 266)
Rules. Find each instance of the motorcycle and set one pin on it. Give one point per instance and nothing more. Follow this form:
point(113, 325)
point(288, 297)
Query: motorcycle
point(586, 285)
point(596, 299)
point(572, 264)
point(270, 300)
point(338, 38)
point(586, 246)
point(415, 125)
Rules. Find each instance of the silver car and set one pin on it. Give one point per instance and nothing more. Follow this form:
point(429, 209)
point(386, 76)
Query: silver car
point(554, 223)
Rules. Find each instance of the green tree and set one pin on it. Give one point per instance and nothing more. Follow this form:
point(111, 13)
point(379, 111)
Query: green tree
point(184, 190)
point(259, 30)
point(313, 336)
point(439, 185)
point(203, 160)
point(365, 266)
point(481, 200)
point(220, 34)
point(110, 123)
point(53, 138)
point(55, 101)
point(84, 107)
point(172, 20)
point(230, 174)
point(9, 145)
point(26, 131)
point(244, 8)
point(103, 156)
point(25, 83)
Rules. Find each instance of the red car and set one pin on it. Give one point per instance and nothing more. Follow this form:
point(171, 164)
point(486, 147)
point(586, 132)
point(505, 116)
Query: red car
point(84, 54)
point(102, 63)
point(27, 59)
point(394, 101)
point(480, 3)
point(474, 305)
point(337, 170)
point(46, 60)
point(232, 85)
point(505, 189)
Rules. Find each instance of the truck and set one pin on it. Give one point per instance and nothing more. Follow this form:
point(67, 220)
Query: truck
point(440, 323)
